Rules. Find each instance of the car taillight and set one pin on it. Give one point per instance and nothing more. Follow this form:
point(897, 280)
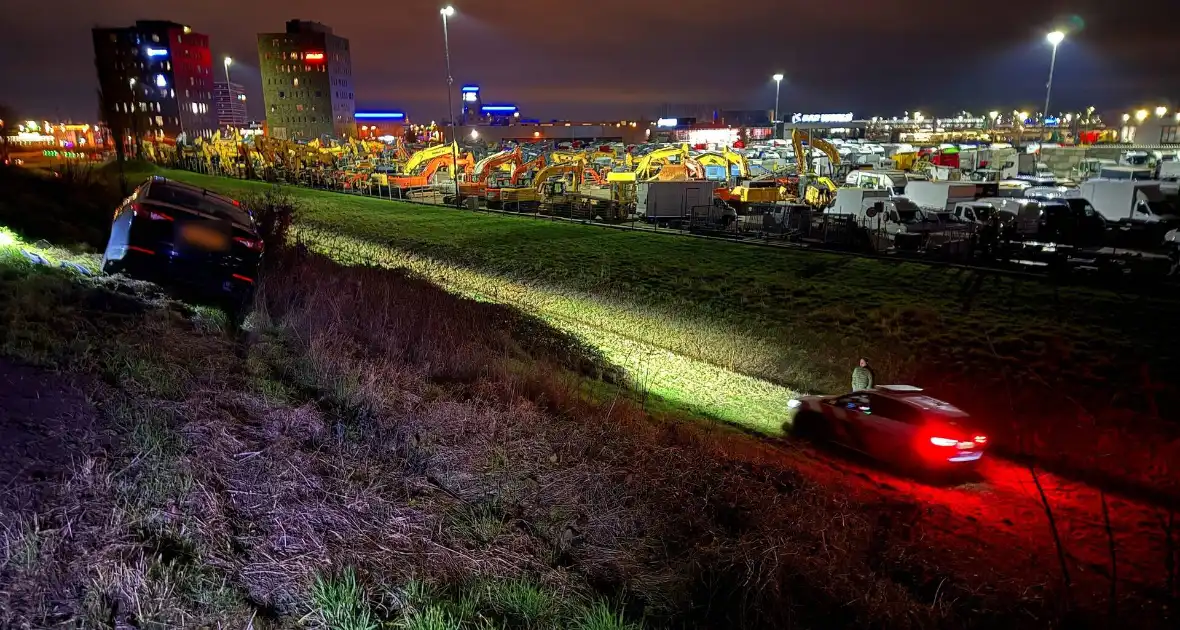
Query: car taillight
point(981, 439)
point(146, 213)
point(942, 441)
point(254, 245)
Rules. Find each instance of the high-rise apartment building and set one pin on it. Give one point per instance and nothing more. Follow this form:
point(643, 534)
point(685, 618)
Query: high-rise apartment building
point(307, 82)
point(230, 101)
point(156, 80)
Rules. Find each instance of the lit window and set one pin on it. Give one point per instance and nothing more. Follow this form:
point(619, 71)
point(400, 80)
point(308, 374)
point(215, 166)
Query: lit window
point(156, 38)
point(296, 82)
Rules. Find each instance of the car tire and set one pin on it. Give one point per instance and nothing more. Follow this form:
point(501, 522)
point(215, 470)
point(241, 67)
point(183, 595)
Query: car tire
point(112, 267)
point(237, 308)
point(810, 425)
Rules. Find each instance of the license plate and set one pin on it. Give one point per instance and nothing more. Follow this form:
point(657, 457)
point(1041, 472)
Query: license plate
point(202, 237)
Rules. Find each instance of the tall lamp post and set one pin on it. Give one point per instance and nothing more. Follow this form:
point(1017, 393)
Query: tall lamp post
point(228, 61)
point(778, 84)
point(448, 12)
point(1055, 38)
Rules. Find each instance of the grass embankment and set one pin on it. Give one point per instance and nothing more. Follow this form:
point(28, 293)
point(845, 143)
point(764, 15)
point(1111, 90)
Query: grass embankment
point(1075, 376)
point(379, 453)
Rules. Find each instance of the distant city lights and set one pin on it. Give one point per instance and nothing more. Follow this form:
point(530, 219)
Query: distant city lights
point(157, 52)
point(314, 56)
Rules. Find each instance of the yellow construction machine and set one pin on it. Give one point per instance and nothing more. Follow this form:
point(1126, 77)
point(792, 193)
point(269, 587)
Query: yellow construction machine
point(529, 198)
point(723, 159)
point(488, 168)
point(817, 191)
point(420, 158)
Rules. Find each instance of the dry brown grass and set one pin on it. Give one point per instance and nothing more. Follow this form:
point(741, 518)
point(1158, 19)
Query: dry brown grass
point(375, 424)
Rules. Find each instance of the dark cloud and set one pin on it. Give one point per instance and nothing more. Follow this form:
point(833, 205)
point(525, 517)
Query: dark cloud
point(625, 58)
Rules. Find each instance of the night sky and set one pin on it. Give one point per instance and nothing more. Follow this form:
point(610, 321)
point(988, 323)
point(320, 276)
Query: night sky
point(616, 59)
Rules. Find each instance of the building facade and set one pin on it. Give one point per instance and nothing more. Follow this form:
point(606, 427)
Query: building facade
point(230, 101)
point(155, 80)
point(307, 82)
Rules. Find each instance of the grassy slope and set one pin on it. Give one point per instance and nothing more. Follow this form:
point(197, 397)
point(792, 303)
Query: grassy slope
point(801, 318)
point(341, 470)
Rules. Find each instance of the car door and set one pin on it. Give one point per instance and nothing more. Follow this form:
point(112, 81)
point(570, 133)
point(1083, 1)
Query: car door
point(890, 430)
point(842, 414)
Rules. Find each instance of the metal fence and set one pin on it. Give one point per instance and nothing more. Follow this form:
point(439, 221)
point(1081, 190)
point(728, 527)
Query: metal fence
point(770, 225)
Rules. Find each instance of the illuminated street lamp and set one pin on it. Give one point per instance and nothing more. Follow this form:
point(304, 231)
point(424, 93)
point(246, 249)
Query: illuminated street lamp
point(1161, 111)
point(448, 12)
point(1141, 115)
point(778, 83)
point(228, 61)
point(1055, 38)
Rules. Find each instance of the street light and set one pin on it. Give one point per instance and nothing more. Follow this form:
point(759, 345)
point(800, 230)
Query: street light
point(1141, 115)
point(778, 83)
point(1161, 111)
point(448, 12)
point(1055, 38)
point(1126, 117)
point(228, 61)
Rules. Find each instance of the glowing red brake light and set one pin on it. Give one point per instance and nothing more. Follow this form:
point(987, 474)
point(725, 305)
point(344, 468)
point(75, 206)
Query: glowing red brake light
point(145, 213)
point(981, 439)
point(941, 441)
point(251, 244)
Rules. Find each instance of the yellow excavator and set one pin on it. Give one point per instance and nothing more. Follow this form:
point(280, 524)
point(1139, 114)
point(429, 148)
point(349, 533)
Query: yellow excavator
point(723, 159)
point(817, 191)
point(646, 164)
point(420, 158)
point(529, 198)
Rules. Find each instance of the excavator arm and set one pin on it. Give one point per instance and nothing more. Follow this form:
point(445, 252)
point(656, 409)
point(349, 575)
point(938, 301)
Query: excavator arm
point(576, 167)
point(421, 158)
point(644, 166)
point(486, 166)
point(446, 160)
point(520, 171)
point(801, 161)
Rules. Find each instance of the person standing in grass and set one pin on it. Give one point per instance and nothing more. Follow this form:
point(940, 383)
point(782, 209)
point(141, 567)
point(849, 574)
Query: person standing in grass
point(862, 376)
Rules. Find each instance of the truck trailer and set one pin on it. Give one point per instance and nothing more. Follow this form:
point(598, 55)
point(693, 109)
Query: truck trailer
point(1128, 201)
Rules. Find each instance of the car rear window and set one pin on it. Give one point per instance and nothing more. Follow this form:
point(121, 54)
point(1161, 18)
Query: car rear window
point(197, 200)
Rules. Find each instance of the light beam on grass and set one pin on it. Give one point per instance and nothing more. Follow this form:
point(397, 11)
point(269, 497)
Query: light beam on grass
point(689, 383)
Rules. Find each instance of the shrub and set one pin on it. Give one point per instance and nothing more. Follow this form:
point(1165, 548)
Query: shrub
point(274, 212)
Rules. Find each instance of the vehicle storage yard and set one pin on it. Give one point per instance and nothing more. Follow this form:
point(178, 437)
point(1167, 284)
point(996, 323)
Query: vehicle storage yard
point(983, 205)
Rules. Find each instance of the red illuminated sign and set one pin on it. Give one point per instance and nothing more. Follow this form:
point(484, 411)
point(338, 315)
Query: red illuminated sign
point(316, 56)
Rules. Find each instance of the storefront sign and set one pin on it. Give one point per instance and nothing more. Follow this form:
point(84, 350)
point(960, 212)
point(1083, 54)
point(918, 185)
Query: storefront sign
point(821, 118)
